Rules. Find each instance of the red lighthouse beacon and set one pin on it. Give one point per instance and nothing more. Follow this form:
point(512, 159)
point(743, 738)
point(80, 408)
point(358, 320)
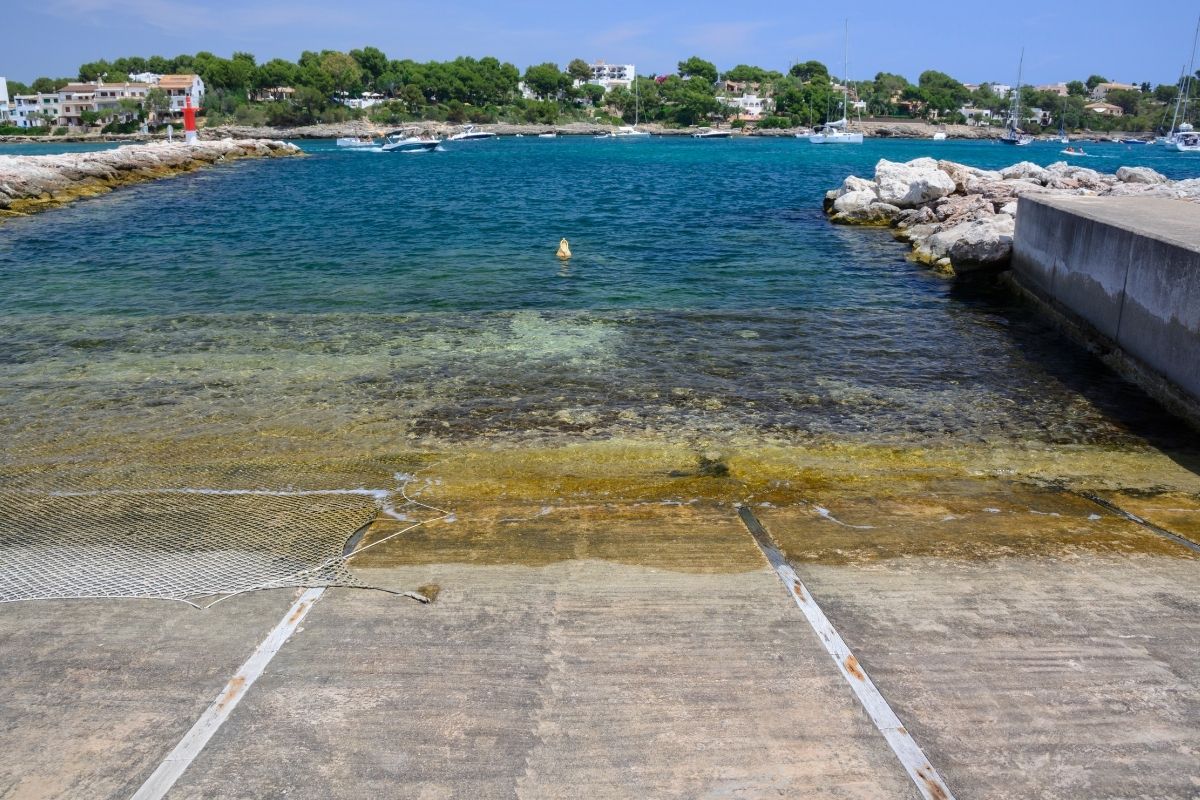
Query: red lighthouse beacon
point(189, 120)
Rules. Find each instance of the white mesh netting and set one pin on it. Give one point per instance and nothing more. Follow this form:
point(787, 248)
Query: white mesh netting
point(194, 545)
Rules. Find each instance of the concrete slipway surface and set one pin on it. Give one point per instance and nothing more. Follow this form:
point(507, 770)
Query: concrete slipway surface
point(1033, 643)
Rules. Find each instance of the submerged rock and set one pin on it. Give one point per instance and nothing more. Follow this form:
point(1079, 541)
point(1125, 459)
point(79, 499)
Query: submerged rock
point(961, 219)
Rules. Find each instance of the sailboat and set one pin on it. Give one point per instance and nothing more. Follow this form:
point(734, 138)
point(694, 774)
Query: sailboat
point(1179, 123)
point(631, 131)
point(839, 132)
point(1012, 132)
point(1062, 125)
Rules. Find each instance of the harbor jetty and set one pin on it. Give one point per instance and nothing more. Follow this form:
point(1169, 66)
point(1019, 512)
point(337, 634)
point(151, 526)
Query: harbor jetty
point(1123, 274)
point(35, 183)
point(961, 220)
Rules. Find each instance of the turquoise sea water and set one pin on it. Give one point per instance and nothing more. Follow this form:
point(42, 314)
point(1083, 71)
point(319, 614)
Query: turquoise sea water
point(365, 301)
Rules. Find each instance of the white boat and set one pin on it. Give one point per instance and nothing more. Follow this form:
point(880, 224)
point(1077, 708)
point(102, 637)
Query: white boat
point(1183, 128)
point(631, 131)
point(940, 136)
point(709, 133)
point(356, 141)
point(1071, 151)
point(471, 134)
point(550, 135)
point(1012, 131)
point(833, 133)
point(1188, 142)
point(401, 142)
point(839, 132)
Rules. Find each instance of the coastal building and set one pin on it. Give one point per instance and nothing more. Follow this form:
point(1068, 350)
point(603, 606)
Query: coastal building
point(1001, 90)
point(180, 87)
point(1102, 89)
point(1059, 89)
point(5, 108)
point(108, 97)
point(35, 110)
point(1105, 109)
point(1039, 115)
point(976, 116)
point(750, 107)
point(74, 99)
point(272, 93)
point(367, 100)
point(610, 75)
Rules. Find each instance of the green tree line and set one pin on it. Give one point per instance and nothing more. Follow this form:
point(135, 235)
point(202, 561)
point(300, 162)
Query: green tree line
point(486, 89)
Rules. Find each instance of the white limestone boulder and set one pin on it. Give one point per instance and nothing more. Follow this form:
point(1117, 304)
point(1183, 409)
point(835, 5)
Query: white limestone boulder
point(1025, 170)
point(979, 244)
point(1140, 175)
point(906, 185)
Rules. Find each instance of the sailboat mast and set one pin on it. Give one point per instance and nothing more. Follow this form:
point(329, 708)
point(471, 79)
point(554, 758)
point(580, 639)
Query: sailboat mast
point(1016, 102)
point(1187, 79)
point(846, 74)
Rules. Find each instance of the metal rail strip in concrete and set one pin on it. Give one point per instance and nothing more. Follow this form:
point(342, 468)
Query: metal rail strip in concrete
point(928, 782)
point(179, 759)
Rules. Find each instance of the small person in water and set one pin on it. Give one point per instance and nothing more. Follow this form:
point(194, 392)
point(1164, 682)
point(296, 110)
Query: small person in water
point(564, 249)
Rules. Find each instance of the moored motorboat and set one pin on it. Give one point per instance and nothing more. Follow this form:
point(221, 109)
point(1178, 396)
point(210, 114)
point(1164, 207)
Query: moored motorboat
point(548, 135)
point(710, 133)
point(1188, 142)
point(356, 141)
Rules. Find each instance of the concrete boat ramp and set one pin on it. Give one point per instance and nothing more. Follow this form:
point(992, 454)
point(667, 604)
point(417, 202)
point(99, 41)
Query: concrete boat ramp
point(971, 639)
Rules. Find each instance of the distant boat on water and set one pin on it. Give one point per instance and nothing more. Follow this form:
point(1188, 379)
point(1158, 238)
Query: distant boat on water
point(1012, 131)
point(839, 132)
point(404, 142)
point(471, 134)
point(709, 133)
point(356, 141)
point(630, 131)
point(548, 135)
point(1179, 124)
point(1188, 142)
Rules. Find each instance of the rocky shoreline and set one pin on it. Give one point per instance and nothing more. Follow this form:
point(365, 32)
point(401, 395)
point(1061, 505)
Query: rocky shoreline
point(891, 129)
point(960, 220)
point(35, 183)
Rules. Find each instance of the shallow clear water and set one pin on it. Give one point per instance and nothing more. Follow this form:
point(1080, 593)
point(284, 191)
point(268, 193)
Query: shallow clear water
point(367, 302)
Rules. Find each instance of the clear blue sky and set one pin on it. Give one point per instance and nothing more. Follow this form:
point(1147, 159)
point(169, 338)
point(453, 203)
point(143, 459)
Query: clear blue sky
point(974, 41)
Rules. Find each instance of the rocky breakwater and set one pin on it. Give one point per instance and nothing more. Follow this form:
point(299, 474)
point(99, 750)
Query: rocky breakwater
point(34, 183)
point(960, 219)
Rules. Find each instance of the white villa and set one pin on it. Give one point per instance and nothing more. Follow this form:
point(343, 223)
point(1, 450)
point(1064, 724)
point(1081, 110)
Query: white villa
point(976, 116)
point(750, 107)
point(5, 108)
point(179, 87)
point(610, 75)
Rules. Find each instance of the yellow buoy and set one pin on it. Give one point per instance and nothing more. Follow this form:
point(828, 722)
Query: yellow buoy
point(564, 249)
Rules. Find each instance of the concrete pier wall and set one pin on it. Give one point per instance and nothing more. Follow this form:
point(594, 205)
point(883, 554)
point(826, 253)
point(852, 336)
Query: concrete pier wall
point(1127, 270)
